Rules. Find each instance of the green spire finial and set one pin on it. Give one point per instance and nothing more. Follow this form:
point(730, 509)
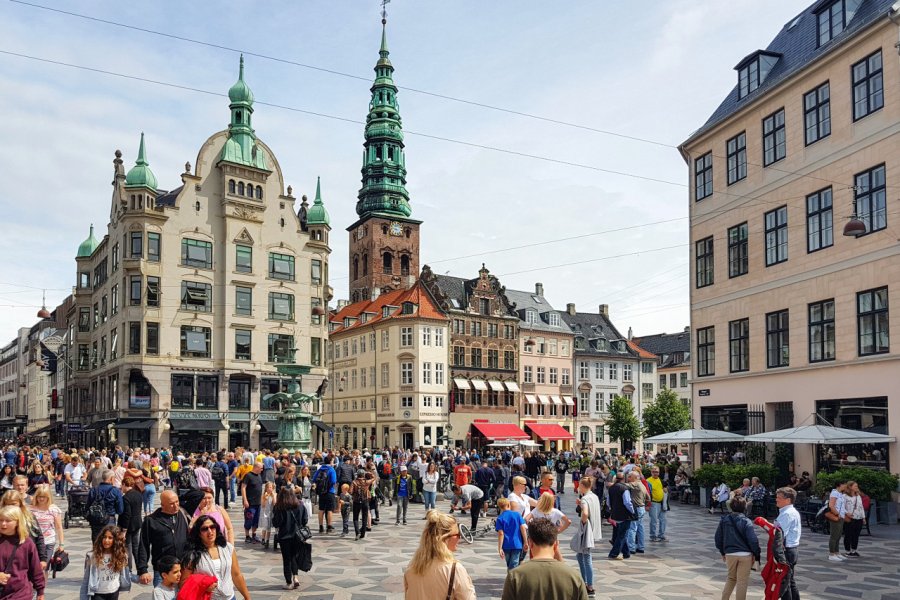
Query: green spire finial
point(384, 49)
point(318, 190)
point(241, 69)
point(240, 92)
point(142, 156)
point(240, 147)
point(317, 215)
point(140, 174)
point(88, 246)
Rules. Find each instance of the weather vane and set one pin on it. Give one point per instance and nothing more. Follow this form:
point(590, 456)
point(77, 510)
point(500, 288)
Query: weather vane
point(384, 4)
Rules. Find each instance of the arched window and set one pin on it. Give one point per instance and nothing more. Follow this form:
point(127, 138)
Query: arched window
point(231, 186)
point(365, 262)
point(282, 221)
point(387, 262)
point(197, 206)
point(404, 265)
point(355, 268)
point(241, 188)
point(384, 229)
point(258, 192)
point(237, 117)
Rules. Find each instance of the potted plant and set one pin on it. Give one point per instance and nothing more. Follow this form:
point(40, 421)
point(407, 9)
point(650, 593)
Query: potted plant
point(878, 485)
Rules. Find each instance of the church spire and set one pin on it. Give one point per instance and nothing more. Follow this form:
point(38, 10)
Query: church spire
point(241, 147)
point(140, 174)
point(384, 163)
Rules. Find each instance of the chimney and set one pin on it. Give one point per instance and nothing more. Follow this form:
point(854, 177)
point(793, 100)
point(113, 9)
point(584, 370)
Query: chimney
point(539, 289)
point(570, 308)
point(630, 334)
point(687, 329)
point(604, 310)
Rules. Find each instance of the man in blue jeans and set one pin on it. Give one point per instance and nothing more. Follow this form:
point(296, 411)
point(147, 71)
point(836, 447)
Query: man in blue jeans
point(639, 498)
point(657, 514)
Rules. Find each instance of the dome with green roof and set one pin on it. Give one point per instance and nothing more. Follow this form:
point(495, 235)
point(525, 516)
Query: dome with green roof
point(88, 246)
point(317, 214)
point(240, 91)
point(140, 174)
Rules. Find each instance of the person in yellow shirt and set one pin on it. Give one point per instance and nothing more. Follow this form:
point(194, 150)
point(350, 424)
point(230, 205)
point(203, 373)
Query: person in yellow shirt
point(242, 470)
point(658, 491)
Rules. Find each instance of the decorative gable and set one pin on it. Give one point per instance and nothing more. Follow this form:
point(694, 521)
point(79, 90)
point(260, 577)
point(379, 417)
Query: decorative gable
point(244, 237)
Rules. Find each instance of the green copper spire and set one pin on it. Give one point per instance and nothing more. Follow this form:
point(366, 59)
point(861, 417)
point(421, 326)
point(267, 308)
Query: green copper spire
point(384, 164)
point(140, 174)
point(317, 214)
point(241, 146)
point(88, 246)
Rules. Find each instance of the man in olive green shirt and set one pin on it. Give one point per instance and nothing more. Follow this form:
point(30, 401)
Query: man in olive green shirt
point(544, 577)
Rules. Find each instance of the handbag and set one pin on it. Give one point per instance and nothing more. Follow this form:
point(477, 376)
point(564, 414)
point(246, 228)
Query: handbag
point(583, 540)
point(59, 561)
point(301, 532)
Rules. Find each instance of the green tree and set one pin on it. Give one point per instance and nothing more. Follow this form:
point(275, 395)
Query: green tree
point(666, 414)
point(622, 425)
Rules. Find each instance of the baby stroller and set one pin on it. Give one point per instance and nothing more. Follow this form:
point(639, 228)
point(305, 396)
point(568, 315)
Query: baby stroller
point(78, 504)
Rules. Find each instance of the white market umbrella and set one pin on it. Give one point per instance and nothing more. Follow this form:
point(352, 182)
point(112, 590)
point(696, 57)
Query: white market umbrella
point(820, 434)
point(692, 436)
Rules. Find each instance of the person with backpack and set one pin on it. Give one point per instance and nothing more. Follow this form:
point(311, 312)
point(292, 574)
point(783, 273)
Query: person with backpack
point(219, 472)
point(736, 541)
point(386, 479)
point(325, 484)
point(346, 472)
point(561, 466)
point(105, 503)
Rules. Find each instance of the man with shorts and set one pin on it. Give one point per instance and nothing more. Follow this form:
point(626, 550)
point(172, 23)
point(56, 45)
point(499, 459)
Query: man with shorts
point(325, 481)
point(251, 495)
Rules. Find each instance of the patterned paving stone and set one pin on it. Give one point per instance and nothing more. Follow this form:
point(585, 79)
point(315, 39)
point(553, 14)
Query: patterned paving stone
point(685, 567)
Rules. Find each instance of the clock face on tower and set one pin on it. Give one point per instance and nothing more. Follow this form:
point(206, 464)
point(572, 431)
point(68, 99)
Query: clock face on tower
point(396, 229)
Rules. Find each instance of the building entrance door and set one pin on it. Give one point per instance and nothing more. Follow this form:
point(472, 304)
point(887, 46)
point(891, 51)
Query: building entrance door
point(406, 440)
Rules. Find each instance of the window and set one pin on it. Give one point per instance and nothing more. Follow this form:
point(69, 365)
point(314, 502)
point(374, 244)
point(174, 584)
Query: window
point(598, 370)
point(406, 337)
point(485, 305)
point(281, 306)
point(137, 244)
point(242, 344)
point(529, 374)
point(752, 73)
point(683, 380)
point(554, 319)
point(705, 262)
point(243, 259)
point(134, 295)
point(646, 391)
point(509, 360)
point(566, 377)
point(243, 301)
point(207, 391)
point(737, 250)
point(439, 373)
point(406, 373)
point(819, 221)
point(196, 253)
point(776, 236)
point(134, 337)
point(662, 381)
point(195, 341)
point(613, 371)
point(182, 391)
point(777, 339)
point(476, 328)
point(868, 86)
point(426, 336)
point(281, 266)
point(115, 258)
point(541, 375)
point(833, 18)
point(673, 380)
point(554, 376)
point(739, 345)
point(583, 370)
point(315, 272)
point(114, 299)
point(196, 296)
point(152, 338)
point(598, 402)
point(647, 367)
point(736, 151)
point(821, 331)
point(774, 140)
point(426, 373)
point(817, 113)
point(626, 371)
point(439, 337)
point(459, 356)
point(869, 198)
point(387, 263)
point(706, 351)
point(493, 359)
point(113, 344)
point(703, 177)
point(385, 375)
point(279, 347)
point(153, 246)
point(406, 402)
point(493, 330)
point(476, 358)
point(385, 340)
point(872, 321)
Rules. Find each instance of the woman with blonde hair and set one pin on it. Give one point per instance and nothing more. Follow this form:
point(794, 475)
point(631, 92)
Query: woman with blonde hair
point(433, 572)
point(48, 517)
point(545, 510)
point(23, 574)
point(14, 498)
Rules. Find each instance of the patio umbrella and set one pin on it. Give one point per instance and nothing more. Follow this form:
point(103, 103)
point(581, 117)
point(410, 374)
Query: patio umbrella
point(691, 436)
point(820, 434)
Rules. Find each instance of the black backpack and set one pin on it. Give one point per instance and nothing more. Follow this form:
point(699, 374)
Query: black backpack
point(218, 473)
point(186, 479)
point(96, 511)
point(320, 482)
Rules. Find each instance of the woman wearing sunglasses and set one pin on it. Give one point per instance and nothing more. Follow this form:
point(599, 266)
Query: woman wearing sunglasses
point(211, 554)
point(433, 572)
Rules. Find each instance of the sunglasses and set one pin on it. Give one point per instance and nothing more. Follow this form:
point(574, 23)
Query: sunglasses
point(208, 528)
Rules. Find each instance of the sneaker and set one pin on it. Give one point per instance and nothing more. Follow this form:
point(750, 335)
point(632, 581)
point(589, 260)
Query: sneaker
point(615, 557)
point(321, 530)
point(247, 540)
point(854, 554)
point(835, 558)
point(652, 539)
point(591, 592)
point(288, 586)
point(404, 521)
point(330, 529)
point(638, 552)
point(396, 522)
point(343, 534)
point(296, 584)
point(663, 538)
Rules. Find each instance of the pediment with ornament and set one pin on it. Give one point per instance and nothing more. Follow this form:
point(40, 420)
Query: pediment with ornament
point(244, 237)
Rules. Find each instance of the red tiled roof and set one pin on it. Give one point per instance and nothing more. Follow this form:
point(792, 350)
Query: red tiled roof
point(640, 351)
point(426, 308)
point(500, 431)
point(549, 431)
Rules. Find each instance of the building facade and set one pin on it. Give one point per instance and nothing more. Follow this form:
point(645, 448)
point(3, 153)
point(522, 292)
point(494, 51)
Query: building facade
point(794, 260)
point(183, 308)
point(390, 363)
point(674, 366)
point(546, 406)
point(13, 417)
point(606, 365)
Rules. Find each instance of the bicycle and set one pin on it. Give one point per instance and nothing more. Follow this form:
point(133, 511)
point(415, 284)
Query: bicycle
point(469, 535)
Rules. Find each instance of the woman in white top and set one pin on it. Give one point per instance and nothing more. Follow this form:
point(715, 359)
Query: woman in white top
point(213, 555)
point(545, 510)
point(855, 518)
point(49, 518)
point(589, 510)
point(429, 485)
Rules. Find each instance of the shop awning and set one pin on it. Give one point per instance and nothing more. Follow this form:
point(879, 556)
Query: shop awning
point(568, 401)
point(549, 431)
point(135, 424)
point(497, 386)
point(462, 384)
point(531, 399)
point(544, 399)
point(479, 384)
point(512, 386)
point(45, 430)
point(196, 424)
point(556, 399)
point(98, 425)
point(322, 426)
point(500, 431)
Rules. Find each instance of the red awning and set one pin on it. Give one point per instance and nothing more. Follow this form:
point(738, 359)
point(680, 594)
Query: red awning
point(549, 431)
point(500, 431)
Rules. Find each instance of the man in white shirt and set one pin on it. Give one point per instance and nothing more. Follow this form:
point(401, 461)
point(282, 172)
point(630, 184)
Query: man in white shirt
point(789, 520)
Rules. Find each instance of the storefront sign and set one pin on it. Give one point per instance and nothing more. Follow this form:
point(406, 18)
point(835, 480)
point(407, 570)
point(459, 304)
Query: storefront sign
point(139, 402)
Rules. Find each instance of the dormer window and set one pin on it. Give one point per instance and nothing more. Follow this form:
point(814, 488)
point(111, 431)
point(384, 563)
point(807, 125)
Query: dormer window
point(554, 319)
point(531, 317)
point(833, 17)
point(408, 308)
point(753, 70)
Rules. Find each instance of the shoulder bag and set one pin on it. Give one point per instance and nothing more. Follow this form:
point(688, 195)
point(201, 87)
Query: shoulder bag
point(301, 532)
point(452, 581)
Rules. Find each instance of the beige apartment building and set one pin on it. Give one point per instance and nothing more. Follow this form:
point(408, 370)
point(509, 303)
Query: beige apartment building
point(791, 316)
point(185, 306)
point(674, 366)
point(390, 363)
point(547, 407)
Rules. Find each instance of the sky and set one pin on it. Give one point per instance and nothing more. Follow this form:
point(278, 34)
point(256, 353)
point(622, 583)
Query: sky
point(593, 205)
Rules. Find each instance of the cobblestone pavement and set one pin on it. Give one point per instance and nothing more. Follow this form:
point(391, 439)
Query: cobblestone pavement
point(687, 566)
